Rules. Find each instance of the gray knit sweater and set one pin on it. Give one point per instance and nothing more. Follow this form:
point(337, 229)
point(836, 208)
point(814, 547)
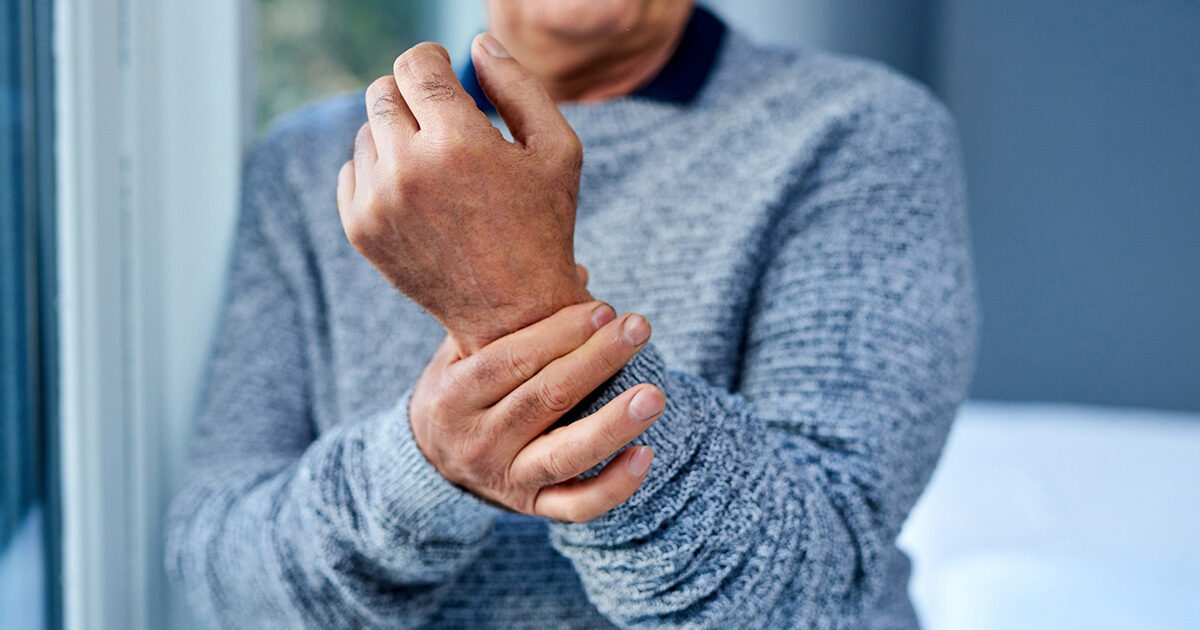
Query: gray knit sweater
point(796, 236)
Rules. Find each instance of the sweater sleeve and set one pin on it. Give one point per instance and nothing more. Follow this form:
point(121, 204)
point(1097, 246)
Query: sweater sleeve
point(275, 526)
point(776, 505)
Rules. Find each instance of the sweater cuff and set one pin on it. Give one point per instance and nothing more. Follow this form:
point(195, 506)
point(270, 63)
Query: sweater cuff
point(413, 498)
point(669, 436)
point(690, 416)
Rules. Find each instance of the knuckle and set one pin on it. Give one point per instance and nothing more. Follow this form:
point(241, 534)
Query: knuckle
point(420, 64)
point(432, 50)
point(524, 409)
point(373, 203)
point(358, 237)
point(562, 149)
point(555, 397)
point(479, 367)
point(360, 228)
point(565, 150)
point(410, 62)
point(384, 101)
point(573, 150)
point(379, 87)
point(519, 365)
point(556, 467)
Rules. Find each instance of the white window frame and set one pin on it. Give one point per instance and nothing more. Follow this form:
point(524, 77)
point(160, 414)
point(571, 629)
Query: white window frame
point(152, 112)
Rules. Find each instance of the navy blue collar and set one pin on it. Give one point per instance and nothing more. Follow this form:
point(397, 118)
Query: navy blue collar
point(678, 82)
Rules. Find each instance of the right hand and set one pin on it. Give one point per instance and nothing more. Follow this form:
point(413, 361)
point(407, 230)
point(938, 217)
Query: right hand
point(482, 420)
point(476, 229)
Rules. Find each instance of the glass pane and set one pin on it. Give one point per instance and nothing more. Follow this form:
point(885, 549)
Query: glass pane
point(25, 556)
point(313, 48)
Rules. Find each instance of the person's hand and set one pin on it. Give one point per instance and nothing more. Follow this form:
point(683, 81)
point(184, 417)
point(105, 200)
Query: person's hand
point(482, 420)
point(477, 230)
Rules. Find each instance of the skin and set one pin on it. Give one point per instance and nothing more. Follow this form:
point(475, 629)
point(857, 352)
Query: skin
point(479, 231)
point(588, 50)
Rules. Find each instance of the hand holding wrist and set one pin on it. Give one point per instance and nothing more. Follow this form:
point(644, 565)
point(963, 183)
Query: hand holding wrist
point(473, 330)
point(483, 421)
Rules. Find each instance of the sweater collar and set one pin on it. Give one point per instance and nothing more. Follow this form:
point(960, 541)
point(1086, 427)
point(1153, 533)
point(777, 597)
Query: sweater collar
point(680, 79)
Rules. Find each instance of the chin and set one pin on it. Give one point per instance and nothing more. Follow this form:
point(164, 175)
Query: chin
point(585, 18)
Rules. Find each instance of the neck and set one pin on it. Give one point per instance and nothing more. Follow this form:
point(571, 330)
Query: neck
point(581, 69)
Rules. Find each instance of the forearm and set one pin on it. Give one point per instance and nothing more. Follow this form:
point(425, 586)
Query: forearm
point(745, 520)
point(358, 531)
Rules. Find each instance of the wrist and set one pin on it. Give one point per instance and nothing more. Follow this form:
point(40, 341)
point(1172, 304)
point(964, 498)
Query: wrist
point(473, 333)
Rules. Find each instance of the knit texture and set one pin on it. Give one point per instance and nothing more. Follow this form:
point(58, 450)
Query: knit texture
point(795, 235)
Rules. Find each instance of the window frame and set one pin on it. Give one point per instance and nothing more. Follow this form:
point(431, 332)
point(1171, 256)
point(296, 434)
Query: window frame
point(151, 115)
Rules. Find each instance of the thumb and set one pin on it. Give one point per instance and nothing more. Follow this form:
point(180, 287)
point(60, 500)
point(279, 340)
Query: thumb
point(520, 98)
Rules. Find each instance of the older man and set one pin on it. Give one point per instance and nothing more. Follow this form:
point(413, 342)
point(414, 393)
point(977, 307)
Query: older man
point(419, 414)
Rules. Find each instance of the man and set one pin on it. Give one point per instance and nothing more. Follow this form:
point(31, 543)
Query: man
point(419, 413)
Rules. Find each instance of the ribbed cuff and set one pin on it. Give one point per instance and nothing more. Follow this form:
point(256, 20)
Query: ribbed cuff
point(692, 412)
point(412, 496)
point(647, 366)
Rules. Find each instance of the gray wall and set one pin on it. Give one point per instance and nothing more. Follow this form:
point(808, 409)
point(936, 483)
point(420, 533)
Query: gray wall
point(1081, 133)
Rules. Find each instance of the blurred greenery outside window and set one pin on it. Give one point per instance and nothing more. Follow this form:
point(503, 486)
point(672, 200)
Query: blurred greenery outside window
point(309, 49)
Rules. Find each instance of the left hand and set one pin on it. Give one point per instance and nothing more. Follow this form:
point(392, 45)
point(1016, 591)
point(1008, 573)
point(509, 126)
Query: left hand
point(477, 230)
point(485, 421)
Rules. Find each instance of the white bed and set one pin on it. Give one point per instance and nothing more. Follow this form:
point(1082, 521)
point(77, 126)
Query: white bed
point(1061, 516)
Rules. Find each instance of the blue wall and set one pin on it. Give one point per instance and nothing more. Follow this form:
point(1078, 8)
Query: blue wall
point(1081, 129)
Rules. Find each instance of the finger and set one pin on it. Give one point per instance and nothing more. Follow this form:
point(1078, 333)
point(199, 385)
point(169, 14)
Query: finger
point(520, 98)
point(531, 408)
point(345, 187)
point(392, 123)
point(364, 158)
point(503, 365)
point(570, 451)
point(581, 500)
point(432, 90)
point(583, 274)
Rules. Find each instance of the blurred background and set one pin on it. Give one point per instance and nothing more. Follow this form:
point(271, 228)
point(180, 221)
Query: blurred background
point(1066, 495)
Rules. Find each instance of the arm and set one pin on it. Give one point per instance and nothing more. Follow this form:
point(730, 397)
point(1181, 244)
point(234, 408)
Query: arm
point(276, 527)
point(478, 231)
point(775, 506)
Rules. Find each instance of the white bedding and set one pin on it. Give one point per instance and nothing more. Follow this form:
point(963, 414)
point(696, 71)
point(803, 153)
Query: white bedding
point(1061, 516)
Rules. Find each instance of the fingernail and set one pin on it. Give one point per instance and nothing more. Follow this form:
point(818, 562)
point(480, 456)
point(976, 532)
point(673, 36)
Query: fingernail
point(636, 330)
point(602, 315)
point(645, 405)
point(493, 46)
point(639, 463)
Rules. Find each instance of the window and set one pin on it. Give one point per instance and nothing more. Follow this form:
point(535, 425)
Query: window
point(313, 48)
point(28, 508)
